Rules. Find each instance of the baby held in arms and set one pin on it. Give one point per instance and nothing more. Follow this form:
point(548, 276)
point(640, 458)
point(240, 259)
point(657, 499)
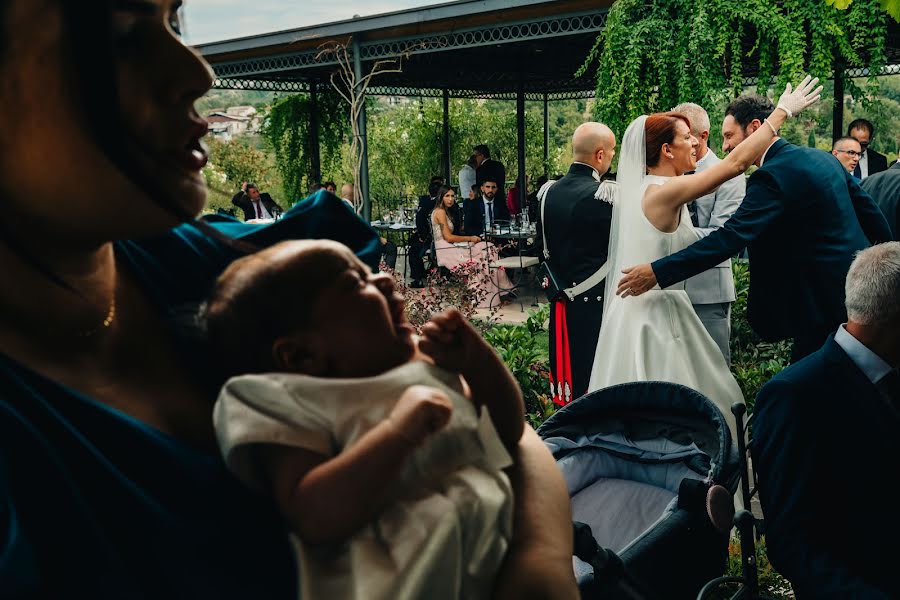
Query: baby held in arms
point(384, 452)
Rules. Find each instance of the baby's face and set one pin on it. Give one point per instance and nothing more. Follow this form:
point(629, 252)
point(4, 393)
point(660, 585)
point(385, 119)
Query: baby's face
point(361, 320)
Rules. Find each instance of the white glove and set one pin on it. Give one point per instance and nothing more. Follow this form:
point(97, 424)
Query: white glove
point(793, 101)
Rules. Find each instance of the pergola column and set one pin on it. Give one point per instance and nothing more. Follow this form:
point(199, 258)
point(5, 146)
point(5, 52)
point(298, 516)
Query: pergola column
point(837, 116)
point(363, 182)
point(546, 135)
point(520, 143)
point(315, 157)
point(445, 150)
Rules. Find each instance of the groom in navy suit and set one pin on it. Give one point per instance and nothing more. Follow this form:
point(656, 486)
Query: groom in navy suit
point(835, 416)
point(803, 219)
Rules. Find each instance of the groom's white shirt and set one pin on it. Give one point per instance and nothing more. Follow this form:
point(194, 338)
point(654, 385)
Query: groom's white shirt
point(715, 285)
point(762, 159)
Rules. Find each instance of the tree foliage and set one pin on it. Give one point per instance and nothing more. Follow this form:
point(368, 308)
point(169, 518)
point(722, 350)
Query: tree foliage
point(891, 6)
point(352, 89)
point(238, 161)
point(653, 55)
point(232, 163)
point(405, 141)
point(287, 130)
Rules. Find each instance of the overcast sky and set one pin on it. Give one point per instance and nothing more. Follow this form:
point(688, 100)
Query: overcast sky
point(214, 20)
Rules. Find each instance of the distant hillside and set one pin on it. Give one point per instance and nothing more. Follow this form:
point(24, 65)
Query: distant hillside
point(226, 98)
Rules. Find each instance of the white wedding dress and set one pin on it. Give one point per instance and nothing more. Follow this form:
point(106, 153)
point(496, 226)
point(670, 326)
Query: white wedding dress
point(656, 336)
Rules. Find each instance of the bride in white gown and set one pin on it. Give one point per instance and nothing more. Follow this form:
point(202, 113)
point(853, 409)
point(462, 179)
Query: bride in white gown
point(657, 336)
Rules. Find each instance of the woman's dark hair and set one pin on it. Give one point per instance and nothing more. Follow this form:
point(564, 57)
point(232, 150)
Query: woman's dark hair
point(744, 109)
point(658, 130)
point(453, 215)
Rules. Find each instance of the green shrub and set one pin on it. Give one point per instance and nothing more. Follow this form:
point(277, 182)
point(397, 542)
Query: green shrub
point(524, 350)
point(771, 584)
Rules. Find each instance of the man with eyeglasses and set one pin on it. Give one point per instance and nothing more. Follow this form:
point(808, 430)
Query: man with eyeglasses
point(870, 162)
point(847, 150)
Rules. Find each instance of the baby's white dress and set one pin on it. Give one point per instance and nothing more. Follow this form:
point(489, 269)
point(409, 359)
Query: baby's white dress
point(444, 533)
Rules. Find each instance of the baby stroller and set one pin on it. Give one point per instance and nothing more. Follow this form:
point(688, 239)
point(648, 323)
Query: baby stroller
point(651, 472)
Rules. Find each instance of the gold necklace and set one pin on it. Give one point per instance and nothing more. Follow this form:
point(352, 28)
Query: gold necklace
point(107, 321)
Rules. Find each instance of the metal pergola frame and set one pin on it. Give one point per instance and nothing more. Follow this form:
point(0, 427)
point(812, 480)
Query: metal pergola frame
point(446, 43)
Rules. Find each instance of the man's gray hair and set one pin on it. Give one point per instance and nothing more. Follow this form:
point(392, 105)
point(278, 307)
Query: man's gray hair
point(696, 114)
point(873, 285)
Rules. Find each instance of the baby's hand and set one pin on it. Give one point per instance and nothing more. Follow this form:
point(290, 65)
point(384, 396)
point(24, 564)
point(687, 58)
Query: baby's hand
point(453, 343)
point(421, 411)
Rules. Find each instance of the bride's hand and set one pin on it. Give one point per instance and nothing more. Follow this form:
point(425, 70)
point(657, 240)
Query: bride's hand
point(637, 280)
point(793, 101)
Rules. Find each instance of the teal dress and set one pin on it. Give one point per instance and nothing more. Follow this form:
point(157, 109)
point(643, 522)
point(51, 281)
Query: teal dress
point(96, 504)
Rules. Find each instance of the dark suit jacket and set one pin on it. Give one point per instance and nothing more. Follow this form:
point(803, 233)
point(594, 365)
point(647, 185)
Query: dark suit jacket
point(473, 214)
point(494, 170)
point(885, 189)
point(877, 162)
point(243, 201)
point(577, 231)
point(824, 440)
point(423, 219)
point(803, 220)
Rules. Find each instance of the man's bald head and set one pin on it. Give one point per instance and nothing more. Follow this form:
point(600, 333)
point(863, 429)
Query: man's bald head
point(594, 144)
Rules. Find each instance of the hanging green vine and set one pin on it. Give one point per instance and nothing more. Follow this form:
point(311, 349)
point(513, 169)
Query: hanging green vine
point(654, 54)
point(287, 129)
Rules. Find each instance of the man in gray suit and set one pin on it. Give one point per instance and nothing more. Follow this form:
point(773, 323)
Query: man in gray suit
point(712, 291)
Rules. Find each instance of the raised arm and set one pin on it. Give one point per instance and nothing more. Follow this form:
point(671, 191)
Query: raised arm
point(681, 190)
point(760, 207)
point(326, 500)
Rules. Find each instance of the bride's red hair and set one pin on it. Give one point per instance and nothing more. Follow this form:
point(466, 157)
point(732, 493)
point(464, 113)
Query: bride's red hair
point(659, 129)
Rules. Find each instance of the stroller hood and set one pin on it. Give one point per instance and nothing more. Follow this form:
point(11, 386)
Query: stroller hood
point(649, 424)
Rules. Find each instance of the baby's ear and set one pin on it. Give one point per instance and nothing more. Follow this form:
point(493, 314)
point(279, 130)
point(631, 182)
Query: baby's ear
point(298, 353)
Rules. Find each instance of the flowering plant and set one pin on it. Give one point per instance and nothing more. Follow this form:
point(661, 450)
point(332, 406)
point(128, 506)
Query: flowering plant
point(464, 287)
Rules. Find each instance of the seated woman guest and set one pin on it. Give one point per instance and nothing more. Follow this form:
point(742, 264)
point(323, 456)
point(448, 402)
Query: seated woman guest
point(454, 250)
point(111, 485)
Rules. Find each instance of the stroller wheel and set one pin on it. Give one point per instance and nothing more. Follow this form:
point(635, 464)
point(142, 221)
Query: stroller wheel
point(720, 508)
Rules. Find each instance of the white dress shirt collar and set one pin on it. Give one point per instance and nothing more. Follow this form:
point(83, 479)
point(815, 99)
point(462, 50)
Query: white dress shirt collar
point(595, 174)
point(864, 164)
point(872, 365)
point(766, 153)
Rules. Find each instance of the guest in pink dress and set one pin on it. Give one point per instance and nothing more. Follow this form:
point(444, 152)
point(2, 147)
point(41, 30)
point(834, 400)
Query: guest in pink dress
point(453, 250)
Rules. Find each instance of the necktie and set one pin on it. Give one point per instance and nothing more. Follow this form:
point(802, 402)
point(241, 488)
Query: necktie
point(258, 211)
point(857, 172)
point(692, 207)
point(490, 212)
